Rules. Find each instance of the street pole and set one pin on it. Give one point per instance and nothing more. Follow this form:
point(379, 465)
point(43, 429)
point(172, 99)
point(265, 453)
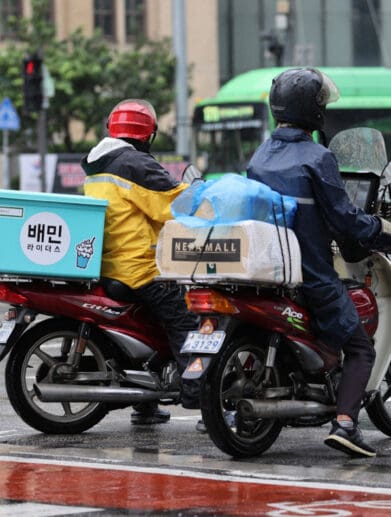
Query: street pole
point(6, 162)
point(181, 89)
point(42, 145)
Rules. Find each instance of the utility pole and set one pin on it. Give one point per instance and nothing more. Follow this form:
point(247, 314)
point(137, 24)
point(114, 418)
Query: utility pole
point(38, 87)
point(181, 89)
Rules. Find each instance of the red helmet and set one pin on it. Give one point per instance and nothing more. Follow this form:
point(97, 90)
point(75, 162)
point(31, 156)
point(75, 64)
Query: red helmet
point(132, 118)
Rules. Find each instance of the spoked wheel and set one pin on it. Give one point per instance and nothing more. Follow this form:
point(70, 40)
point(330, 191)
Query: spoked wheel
point(230, 379)
point(379, 411)
point(31, 361)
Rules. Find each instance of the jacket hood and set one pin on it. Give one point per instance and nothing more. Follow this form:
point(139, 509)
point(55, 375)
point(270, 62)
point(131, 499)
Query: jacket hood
point(104, 152)
point(105, 146)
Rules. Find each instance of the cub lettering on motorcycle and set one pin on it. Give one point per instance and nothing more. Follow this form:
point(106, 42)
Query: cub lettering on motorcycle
point(294, 318)
point(103, 308)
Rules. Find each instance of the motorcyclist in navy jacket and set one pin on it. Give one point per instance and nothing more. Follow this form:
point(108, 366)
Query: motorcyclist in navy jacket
point(291, 163)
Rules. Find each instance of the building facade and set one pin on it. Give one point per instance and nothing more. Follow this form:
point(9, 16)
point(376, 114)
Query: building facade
point(261, 33)
point(123, 21)
point(227, 37)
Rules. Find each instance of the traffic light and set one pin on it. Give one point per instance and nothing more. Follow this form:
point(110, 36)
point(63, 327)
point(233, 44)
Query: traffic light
point(32, 83)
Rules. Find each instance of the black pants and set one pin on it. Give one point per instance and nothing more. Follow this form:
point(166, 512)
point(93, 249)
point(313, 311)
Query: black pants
point(168, 305)
point(359, 356)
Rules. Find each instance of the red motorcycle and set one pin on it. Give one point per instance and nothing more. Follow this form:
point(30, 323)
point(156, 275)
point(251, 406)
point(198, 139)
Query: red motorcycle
point(261, 366)
point(86, 354)
point(78, 350)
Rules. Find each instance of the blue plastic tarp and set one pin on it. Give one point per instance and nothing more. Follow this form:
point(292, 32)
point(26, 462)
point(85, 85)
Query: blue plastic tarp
point(230, 199)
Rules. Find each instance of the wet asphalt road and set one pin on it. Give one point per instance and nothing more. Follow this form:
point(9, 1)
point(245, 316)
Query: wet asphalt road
point(298, 455)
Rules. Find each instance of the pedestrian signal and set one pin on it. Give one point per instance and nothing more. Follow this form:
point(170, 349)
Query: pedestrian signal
point(32, 83)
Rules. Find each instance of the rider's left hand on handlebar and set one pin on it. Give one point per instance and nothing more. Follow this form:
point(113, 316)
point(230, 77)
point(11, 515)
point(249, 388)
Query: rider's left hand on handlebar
point(383, 241)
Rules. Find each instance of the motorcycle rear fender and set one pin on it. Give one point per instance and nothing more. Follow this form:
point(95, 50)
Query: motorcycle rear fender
point(21, 325)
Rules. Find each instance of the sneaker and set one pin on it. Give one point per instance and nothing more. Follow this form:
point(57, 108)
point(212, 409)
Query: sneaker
point(149, 414)
point(201, 427)
point(229, 419)
point(349, 441)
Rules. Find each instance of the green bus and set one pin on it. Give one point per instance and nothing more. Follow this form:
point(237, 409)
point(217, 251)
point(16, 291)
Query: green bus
point(229, 127)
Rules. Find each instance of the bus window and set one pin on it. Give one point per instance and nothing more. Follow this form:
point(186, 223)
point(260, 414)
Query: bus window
point(227, 150)
point(226, 136)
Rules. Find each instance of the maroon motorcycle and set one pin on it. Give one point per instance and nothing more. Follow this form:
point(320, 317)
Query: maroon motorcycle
point(261, 366)
point(79, 350)
point(75, 354)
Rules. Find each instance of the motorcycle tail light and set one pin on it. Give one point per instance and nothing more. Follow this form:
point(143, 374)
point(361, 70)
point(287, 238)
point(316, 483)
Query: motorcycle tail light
point(367, 309)
point(10, 296)
point(208, 325)
point(10, 314)
point(205, 300)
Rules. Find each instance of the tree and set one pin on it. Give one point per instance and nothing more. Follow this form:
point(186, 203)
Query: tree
point(90, 77)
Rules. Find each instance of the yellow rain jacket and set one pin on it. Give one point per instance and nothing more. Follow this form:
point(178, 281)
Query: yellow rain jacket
point(139, 192)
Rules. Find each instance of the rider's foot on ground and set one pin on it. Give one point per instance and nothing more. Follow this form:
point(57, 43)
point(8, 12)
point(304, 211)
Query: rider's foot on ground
point(149, 414)
point(229, 418)
point(349, 441)
point(201, 427)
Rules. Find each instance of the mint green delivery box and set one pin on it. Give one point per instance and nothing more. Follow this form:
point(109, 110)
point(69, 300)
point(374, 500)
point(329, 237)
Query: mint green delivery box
point(51, 235)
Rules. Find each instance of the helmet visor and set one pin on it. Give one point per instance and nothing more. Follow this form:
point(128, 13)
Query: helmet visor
point(328, 91)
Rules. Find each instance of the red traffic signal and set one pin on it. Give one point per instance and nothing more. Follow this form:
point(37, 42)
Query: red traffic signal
point(32, 83)
point(30, 67)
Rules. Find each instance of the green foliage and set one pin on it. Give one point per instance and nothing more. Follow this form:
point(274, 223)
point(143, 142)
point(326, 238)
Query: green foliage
point(90, 77)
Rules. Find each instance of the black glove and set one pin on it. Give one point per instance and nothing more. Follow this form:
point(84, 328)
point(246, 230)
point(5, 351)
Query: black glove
point(352, 250)
point(383, 241)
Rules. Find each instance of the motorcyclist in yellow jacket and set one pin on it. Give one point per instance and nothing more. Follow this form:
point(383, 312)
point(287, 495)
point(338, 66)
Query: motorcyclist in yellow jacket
point(139, 192)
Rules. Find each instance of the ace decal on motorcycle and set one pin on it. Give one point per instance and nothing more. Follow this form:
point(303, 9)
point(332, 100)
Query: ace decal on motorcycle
point(45, 238)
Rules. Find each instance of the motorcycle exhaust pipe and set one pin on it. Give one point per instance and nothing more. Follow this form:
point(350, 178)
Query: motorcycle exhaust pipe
point(252, 409)
point(76, 393)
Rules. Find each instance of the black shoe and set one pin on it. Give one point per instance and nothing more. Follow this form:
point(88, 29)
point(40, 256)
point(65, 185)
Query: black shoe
point(349, 441)
point(149, 414)
point(201, 427)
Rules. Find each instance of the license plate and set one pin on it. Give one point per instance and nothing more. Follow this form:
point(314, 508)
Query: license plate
point(203, 343)
point(6, 328)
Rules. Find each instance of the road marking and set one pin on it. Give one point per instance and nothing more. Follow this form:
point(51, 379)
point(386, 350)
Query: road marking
point(184, 418)
point(41, 510)
point(237, 476)
point(149, 489)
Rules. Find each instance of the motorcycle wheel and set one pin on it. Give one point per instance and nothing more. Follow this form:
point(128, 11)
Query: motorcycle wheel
point(227, 381)
point(29, 362)
point(379, 411)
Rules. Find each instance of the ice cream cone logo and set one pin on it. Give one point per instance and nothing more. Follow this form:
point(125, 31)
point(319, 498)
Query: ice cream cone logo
point(84, 250)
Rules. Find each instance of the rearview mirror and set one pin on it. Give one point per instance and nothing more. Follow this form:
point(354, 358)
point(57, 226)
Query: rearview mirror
point(190, 174)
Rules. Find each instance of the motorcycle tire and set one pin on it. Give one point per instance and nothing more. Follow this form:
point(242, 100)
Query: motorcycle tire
point(379, 410)
point(229, 380)
point(29, 362)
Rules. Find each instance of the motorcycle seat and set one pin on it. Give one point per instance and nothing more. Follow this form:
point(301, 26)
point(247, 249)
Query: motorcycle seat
point(117, 290)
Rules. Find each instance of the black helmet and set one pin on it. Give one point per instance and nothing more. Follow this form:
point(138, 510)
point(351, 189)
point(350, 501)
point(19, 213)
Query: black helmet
point(299, 96)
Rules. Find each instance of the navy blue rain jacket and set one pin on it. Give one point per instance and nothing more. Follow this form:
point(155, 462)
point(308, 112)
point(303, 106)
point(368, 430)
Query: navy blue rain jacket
point(291, 163)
